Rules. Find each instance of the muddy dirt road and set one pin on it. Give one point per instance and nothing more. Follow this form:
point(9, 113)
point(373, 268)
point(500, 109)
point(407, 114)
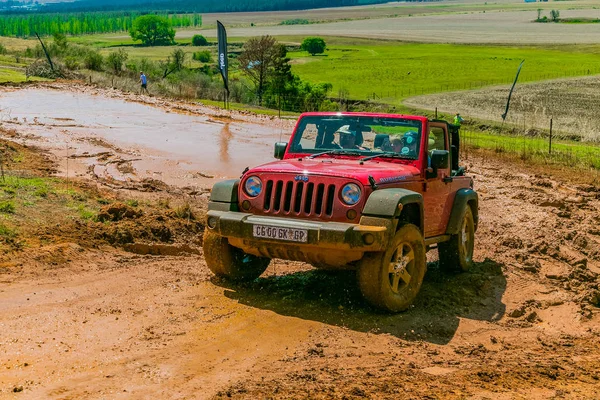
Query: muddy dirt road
point(79, 322)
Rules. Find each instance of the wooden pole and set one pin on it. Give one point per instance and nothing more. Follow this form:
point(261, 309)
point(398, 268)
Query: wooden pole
point(2, 166)
point(45, 52)
point(67, 165)
point(550, 139)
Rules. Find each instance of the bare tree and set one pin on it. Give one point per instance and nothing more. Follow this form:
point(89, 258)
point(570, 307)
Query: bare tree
point(257, 61)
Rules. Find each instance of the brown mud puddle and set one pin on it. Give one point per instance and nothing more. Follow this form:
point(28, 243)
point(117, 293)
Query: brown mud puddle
point(120, 141)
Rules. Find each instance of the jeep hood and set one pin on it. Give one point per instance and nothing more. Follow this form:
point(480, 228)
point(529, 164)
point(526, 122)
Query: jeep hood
point(382, 171)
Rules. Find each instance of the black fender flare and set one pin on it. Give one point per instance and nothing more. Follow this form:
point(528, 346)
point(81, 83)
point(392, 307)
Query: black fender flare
point(224, 196)
point(464, 198)
point(389, 203)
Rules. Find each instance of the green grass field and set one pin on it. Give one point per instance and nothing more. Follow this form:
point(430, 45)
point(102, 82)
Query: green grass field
point(536, 149)
point(389, 72)
point(14, 75)
point(13, 71)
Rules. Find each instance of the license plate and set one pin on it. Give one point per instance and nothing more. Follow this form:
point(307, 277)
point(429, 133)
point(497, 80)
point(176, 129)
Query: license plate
point(273, 232)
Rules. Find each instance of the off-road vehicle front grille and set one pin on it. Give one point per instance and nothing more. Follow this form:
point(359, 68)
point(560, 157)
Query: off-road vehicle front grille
point(299, 198)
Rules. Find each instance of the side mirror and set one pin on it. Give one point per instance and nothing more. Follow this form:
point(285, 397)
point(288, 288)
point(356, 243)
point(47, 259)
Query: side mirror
point(280, 148)
point(439, 159)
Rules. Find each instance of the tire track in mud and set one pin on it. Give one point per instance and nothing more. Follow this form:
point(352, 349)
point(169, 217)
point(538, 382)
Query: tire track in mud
point(543, 229)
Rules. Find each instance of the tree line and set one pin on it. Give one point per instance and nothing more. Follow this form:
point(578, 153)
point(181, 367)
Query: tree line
point(25, 25)
point(203, 6)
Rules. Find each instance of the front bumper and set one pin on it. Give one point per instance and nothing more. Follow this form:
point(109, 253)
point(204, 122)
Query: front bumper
point(327, 243)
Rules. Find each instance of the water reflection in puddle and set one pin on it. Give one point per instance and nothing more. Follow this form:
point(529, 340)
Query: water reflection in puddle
point(199, 142)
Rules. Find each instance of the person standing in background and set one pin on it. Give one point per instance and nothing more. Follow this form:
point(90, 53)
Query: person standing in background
point(458, 119)
point(144, 83)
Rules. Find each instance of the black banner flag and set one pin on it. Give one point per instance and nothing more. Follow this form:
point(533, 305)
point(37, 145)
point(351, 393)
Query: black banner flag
point(511, 90)
point(223, 67)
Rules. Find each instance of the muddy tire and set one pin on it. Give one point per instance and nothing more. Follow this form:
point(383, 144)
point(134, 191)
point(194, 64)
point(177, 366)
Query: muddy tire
point(392, 279)
point(229, 262)
point(456, 255)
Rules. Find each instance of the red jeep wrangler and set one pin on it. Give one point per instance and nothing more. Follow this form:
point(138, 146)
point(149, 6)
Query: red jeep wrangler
point(371, 192)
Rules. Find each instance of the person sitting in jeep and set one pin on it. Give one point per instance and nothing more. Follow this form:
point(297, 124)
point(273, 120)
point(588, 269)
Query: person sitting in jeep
point(348, 138)
point(409, 144)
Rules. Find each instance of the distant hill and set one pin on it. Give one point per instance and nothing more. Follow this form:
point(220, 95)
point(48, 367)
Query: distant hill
point(202, 6)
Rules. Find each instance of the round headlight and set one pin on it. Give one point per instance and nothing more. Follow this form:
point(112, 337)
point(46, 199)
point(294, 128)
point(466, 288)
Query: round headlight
point(351, 194)
point(253, 186)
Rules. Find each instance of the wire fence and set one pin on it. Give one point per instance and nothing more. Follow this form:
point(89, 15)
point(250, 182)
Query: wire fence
point(541, 150)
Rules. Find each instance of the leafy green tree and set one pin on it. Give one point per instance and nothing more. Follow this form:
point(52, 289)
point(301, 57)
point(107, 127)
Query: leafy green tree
point(316, 96)
point(60, 40)
point(199, 40)
point(72, 63)
point(555, 14)
point(313, 45)
point(152, 30)
point(257, 61)
point(116, 60)
point(282, 84)
point(93, 60)
point(202, 56)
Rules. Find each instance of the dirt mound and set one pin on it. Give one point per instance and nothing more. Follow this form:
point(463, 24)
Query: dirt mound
point(117, 212)
point(42, 210)
point(18, 159)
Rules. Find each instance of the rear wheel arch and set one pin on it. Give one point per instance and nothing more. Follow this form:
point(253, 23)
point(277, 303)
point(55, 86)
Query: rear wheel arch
point(464, 198)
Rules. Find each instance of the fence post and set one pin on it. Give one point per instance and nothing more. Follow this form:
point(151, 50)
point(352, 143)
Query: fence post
point(2, 166)
point(550, 139)
point(436, 113)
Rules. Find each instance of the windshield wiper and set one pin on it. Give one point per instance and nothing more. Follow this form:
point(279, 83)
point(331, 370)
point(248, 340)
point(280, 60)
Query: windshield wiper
point(386, 154)
point(336, 152)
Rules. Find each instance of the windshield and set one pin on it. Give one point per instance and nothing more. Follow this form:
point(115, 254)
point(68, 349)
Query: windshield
point(351, 134)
